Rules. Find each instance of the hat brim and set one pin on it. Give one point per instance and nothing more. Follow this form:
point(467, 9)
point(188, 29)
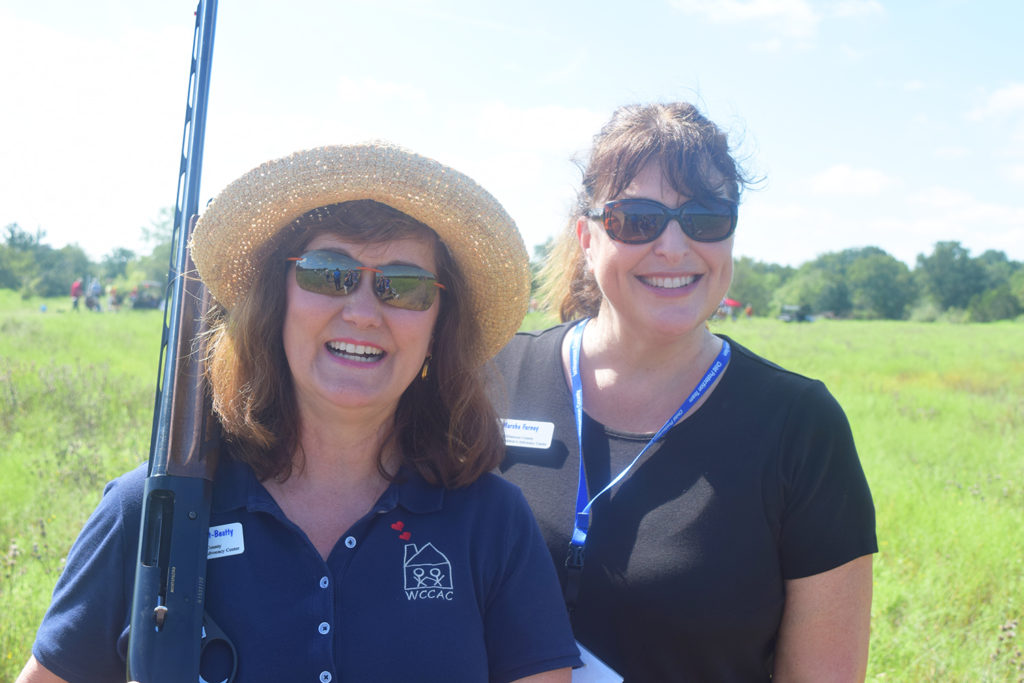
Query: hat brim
point(480, 235)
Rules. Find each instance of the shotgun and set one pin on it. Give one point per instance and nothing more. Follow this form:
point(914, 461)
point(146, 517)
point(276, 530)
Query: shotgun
point(167, 618)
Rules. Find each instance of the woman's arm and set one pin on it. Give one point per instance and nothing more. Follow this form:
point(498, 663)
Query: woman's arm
point(34, 672)
point(826, 626)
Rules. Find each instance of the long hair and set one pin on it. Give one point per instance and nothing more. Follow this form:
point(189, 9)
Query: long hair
point(444, 426)
point(695, 160)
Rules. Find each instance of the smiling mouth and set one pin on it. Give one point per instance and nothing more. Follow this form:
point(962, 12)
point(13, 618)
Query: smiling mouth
point(356, 352)
point(669, 282)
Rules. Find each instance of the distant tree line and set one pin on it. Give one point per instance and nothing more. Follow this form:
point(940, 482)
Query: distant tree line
point(30, 266)
point(866, 283)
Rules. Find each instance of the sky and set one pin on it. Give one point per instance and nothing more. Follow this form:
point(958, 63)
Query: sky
point(867, 123)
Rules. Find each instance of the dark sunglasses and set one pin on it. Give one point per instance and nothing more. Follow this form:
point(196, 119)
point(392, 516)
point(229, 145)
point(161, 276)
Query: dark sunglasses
point(327, 272)
point(638, 221)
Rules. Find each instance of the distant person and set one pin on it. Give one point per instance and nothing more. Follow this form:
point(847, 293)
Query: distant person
point(375, 543)
point(720, 527)
point(113, 299)
point(749, 310)
point(76, 293)
point(93, 295)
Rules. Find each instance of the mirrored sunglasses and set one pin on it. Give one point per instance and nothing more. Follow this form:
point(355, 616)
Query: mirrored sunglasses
point(638, 221)
point(333, 274)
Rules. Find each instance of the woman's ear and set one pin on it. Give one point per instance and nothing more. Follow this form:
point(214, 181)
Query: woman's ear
point(584, 236)
point(583, 232)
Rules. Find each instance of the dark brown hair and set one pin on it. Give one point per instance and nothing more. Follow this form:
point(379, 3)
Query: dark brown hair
point(695, 160)
point(444, 425)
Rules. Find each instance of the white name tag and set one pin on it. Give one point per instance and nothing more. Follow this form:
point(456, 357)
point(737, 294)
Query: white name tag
point(225, 540)
point(528, 434)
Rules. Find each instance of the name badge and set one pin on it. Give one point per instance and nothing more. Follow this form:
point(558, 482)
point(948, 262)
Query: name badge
point(225, 540)
point(528, 434)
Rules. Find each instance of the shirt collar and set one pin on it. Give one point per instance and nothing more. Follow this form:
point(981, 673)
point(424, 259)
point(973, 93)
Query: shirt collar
point(237, 487)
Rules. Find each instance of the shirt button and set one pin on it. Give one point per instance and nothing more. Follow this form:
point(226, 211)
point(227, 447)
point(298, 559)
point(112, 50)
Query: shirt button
point(324, 582)
point(350, 542)
point(325, 677)
point(324, 628)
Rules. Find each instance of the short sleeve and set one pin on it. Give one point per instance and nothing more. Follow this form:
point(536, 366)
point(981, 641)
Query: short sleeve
point(526, 624)
point(829, 516)
point(83, 636)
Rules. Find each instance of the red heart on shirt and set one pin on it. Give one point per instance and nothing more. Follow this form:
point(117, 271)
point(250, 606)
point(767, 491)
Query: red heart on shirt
point(398, 526)
point(404, 536)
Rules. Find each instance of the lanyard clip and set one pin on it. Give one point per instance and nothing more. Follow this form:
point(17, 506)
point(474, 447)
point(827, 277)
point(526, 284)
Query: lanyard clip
point(574, 558)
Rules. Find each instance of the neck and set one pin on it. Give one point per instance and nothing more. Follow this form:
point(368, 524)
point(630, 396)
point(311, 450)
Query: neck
point(610, 344)
point(341, 449)
point(634, 382)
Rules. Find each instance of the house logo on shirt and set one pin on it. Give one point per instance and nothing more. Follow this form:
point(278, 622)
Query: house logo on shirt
point(428, 573)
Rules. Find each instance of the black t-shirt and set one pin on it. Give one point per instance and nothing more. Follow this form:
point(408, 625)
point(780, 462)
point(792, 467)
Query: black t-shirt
point(686, 558)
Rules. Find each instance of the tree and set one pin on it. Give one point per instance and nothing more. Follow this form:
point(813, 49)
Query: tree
point(998, 268)
point(155, 266)
point(55, 270)
point(950, 276)
point(115, 264)
point(541, 253)
point(881, 286)
point(754, 282)
point(818, 285)
point(994, 304)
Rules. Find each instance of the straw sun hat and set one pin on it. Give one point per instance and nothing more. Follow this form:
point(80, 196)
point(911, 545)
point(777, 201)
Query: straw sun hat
point(482, 238)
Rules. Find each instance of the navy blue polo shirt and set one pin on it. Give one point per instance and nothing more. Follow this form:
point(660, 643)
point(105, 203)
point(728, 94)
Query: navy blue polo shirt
point(431, 585)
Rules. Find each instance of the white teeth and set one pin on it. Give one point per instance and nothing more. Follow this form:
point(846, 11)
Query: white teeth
point(355, 351)
point(669, 282)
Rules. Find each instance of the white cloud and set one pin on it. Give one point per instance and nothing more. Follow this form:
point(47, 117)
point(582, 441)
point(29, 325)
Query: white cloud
point(792, 18)
point(845, 180)
point(914, 86)
point(857, 8)
point(952, 153)
point(1004, 102)
point(945, 214)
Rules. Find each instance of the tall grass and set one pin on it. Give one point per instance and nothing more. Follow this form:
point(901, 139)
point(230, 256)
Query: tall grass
point(76, 403)
point(937, 411)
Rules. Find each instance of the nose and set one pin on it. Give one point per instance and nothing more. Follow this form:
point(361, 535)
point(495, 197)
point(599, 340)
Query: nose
point(672, 244)
point(361, 307)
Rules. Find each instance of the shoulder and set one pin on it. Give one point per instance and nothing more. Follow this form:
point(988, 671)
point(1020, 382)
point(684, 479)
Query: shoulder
point(490, 502)
point(527, 364)
point(122, 497)
point(758, 373)
point(534, 341)
point(489, 492)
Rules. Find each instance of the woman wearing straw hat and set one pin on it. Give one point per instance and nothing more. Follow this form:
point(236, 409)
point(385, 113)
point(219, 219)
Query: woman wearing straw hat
point(359, 291)
point(718, 526)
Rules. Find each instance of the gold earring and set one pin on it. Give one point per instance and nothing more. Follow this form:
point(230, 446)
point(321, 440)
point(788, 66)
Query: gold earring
point(426, 365)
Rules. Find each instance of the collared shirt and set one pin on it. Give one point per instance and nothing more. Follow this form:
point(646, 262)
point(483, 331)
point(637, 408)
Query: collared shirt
point(432, 584)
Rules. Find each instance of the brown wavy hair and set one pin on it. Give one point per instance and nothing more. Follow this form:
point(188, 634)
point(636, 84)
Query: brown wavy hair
point(695, 160)
point(444, 426)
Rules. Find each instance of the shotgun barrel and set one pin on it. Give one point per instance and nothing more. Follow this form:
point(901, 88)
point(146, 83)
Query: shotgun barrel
point(168, 596)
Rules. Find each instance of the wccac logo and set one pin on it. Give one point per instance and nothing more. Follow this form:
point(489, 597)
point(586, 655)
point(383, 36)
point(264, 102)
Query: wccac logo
point(428, 573)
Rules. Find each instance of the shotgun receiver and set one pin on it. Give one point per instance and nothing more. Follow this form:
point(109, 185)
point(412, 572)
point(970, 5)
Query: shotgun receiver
point(167, 618)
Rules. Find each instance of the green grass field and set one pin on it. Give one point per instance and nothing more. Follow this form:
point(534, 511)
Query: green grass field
point(937, 410)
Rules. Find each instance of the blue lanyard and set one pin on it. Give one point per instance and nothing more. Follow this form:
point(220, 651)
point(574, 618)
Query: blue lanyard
point(582, 523)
